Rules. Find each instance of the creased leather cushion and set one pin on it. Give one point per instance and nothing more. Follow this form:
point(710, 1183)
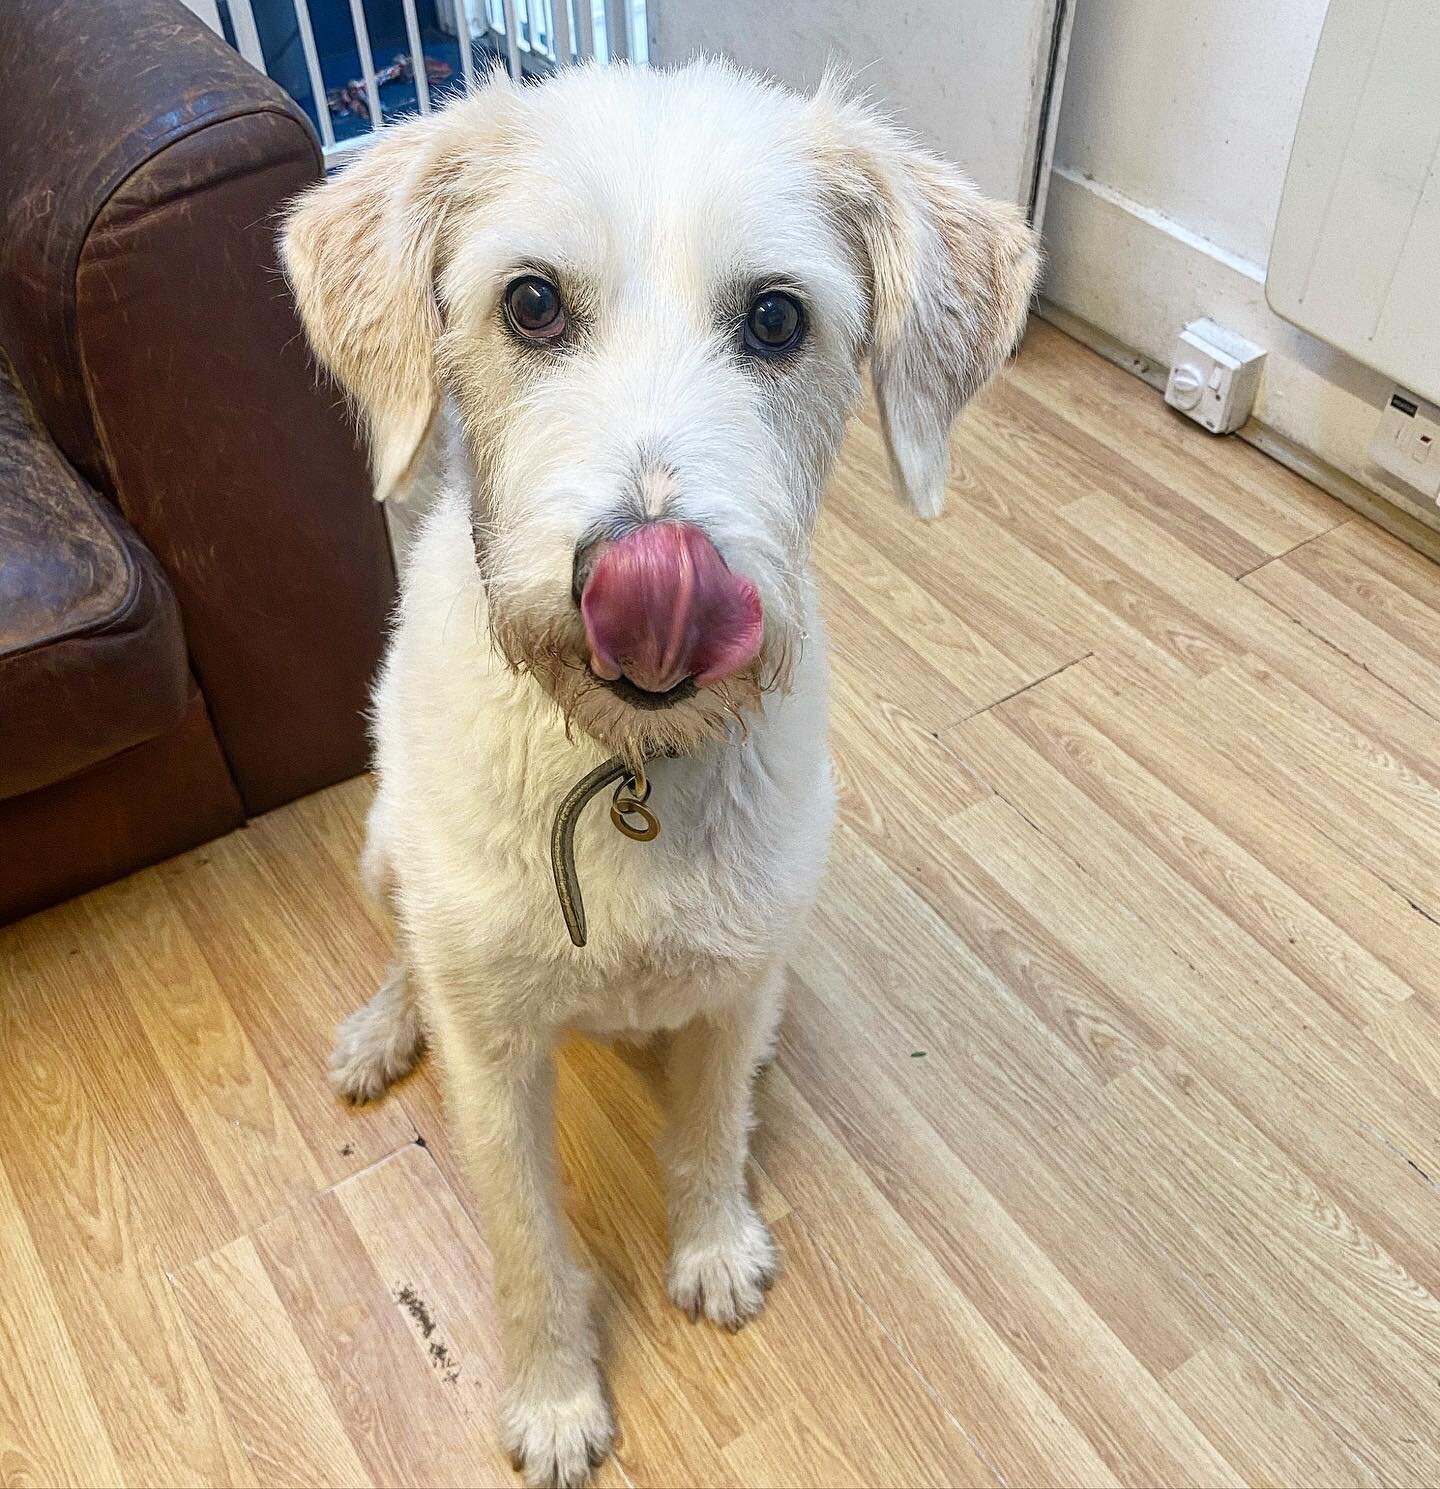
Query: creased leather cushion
point(92, 655)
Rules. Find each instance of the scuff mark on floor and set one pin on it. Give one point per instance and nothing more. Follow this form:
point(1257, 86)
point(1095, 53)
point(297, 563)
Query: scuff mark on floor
point(440, 1356)
point(444, 1362)
point(414, 1305)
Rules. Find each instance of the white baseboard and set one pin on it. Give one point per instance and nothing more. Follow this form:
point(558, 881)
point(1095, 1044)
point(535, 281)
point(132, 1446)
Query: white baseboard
point(1416, 525)
point(1134, 278)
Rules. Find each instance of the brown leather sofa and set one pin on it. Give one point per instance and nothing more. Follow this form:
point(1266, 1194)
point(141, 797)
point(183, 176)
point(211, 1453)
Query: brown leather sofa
point(193, 579)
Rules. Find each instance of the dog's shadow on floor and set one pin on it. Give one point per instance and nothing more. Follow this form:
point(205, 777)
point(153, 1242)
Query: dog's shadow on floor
point(646, 1059)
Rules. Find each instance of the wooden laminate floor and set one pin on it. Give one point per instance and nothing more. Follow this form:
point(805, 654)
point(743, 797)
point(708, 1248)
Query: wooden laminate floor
point(1104, 1139)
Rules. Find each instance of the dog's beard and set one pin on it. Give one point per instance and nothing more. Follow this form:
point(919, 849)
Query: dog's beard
point(635, 726)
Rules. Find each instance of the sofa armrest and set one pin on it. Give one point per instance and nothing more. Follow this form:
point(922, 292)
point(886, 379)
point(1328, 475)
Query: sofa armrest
point(158, 340)
point(238, 470)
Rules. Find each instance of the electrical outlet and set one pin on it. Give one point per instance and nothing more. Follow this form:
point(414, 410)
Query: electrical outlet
point(1214, 375)
point(1407, 443)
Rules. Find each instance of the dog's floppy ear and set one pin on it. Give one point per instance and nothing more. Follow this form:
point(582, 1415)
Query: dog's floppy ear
point(950, 273)
point(362, 251)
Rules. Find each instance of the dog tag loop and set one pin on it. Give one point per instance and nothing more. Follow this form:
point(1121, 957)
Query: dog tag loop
point(629, 800)
point(632, 791)
point(628, 807)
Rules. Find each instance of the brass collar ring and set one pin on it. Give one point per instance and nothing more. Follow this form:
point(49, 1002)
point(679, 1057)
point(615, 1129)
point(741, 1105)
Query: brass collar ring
point(627, 811)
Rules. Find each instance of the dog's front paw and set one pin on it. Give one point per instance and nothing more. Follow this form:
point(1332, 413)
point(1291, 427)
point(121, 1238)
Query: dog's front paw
point(725, 1272)
point(557, 1441)
point(377, 1044)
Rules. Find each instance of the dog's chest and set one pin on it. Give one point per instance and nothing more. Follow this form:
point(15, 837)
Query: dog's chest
point(675, 925)
point(734, 857)
point(678, 924)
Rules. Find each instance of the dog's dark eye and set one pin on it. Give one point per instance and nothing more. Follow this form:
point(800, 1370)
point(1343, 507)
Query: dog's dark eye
point(534, 308)
point(774, 324)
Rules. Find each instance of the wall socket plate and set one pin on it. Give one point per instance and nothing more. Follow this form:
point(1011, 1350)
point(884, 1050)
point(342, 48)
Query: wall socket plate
point(1407, 443)
point(1214, 376)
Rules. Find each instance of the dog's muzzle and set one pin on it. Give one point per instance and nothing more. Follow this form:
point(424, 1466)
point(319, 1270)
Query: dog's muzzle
point(663, 610)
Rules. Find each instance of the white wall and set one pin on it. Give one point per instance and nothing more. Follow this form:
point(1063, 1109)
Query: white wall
point(964, 75)
point(1174, 134)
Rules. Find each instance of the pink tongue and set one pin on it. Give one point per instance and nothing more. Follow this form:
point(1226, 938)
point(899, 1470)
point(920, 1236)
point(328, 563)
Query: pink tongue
point(661, 606)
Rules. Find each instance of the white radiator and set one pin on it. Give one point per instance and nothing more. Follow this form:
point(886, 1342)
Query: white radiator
point(1356, 255)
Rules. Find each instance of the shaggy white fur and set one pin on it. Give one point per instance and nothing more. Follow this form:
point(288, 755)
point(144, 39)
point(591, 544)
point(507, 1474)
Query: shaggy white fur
point(659, 205)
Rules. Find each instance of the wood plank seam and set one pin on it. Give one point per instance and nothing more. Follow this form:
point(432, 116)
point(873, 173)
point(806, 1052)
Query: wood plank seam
point(1276, 558)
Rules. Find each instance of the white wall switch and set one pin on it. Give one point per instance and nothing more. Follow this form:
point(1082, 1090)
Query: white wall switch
point(1407, 443)
point(1214, 375)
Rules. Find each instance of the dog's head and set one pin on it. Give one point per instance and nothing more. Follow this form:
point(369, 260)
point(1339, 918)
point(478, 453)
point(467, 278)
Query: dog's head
point(649, 296)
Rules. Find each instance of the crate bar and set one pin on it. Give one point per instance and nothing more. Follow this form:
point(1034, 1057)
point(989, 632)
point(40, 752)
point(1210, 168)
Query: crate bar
point(462, 30)
point(367, 61)
point(585, 28)
point(512, 39)
point(335, 154)
point(312, 67)
point(417, 55)
point(560, 32)
point(209, 12)
point(247, 37)
point(617, 30)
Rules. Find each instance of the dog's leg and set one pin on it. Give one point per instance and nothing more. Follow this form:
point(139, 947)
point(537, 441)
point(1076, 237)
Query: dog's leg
point(380, 1042)
point(721, 1256)
point(555, 1417)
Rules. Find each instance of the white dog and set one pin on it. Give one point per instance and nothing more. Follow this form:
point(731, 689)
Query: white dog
point(642, 302)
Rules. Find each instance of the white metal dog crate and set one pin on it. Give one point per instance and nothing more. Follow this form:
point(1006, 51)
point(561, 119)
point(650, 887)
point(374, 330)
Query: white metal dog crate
point(530, 37)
